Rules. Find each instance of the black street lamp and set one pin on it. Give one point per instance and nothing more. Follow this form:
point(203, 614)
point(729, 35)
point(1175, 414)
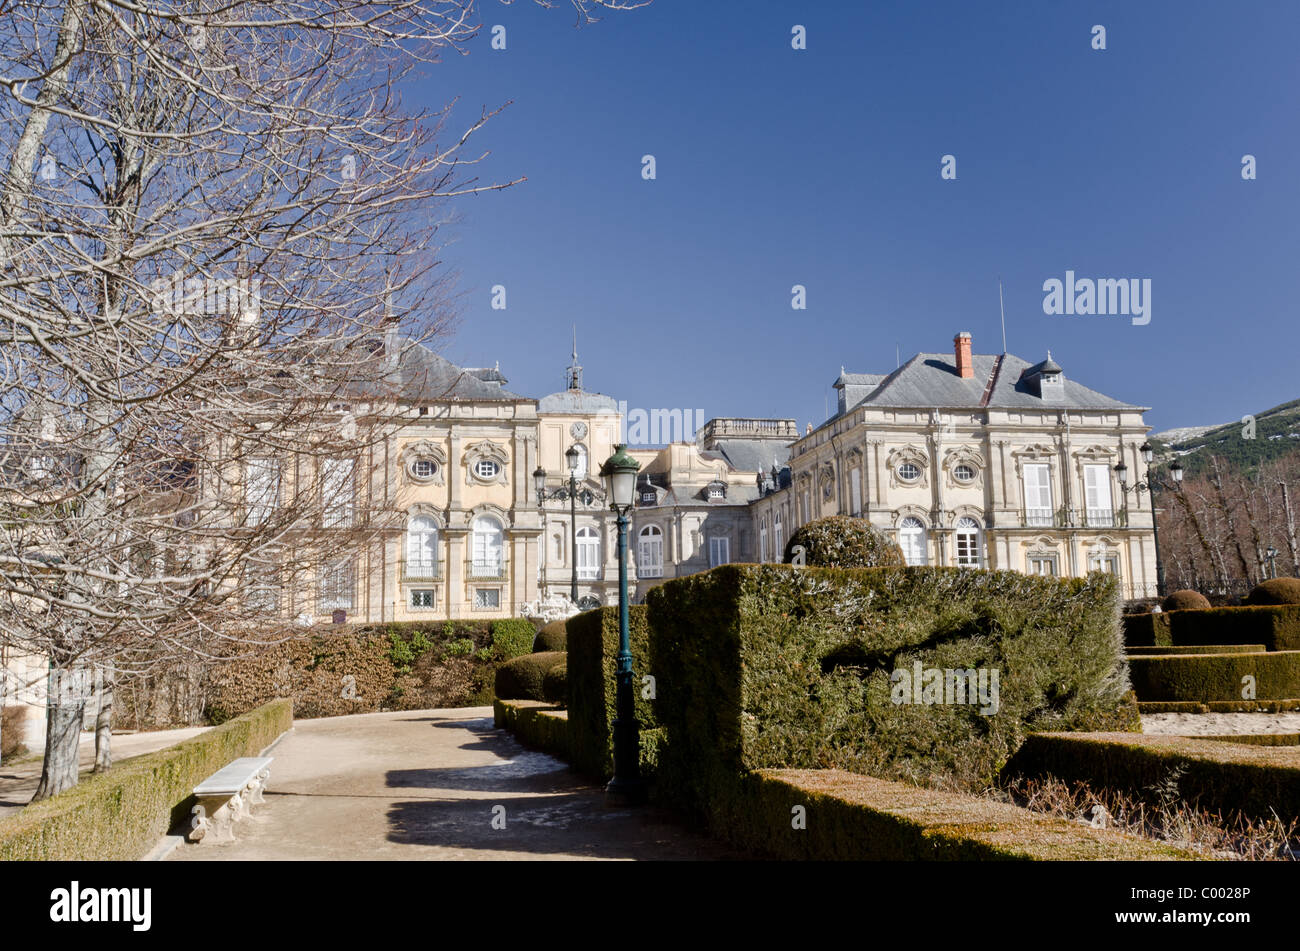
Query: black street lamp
point(572, 457)
point(626, 788)
point(1152, 484)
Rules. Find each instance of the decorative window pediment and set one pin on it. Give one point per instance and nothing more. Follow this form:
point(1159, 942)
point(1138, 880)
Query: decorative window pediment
point(826, 478)
point(907, 467)
point(963, 466)
point(485, 463)
point(424, 462)
point(427, 511)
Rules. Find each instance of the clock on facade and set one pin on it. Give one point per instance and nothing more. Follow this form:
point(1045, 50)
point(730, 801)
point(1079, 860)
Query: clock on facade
point(578, 430)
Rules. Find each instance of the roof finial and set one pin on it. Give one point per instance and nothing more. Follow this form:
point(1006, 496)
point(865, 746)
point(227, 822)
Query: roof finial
point(573, 375)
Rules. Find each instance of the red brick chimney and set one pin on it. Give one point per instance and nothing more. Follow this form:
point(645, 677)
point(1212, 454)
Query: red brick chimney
point(961, 345)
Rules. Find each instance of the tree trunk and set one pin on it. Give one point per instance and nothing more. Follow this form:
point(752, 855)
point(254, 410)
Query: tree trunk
point(64, 711)
point(104, 724)
point(1290, 527)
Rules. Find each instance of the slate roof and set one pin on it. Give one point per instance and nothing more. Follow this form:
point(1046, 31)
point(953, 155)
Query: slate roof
point(577, 403)
point(930, 380)
point(424, 375)
point(752, 455)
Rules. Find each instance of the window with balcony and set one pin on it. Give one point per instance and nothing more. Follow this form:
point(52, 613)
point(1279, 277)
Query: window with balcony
point(1038, 494)
point(1096, 490)
point(650, 552)
point(588, 554)
point(912, 539)
point(336, 587)
point(966, 537)
point(262, 489)
point(421, 548)
point(487, 548)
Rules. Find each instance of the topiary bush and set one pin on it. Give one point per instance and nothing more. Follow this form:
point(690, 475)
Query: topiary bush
point(767, 666)
point(593, 642)
point(521, 677)
point(1276, 591)
point(512, 637)
point(1186, 600)
point(843, 542)
point(553, 637)
point(555, 685)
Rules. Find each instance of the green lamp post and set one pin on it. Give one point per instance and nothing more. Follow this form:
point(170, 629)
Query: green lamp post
point(626, 788)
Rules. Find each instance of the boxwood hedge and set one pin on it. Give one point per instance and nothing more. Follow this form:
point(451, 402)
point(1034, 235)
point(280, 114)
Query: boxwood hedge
point(591, 668)
point(1221, 774)
point(1206, 677)
point(121, 814)
point(764, 666)
point(1275, 626)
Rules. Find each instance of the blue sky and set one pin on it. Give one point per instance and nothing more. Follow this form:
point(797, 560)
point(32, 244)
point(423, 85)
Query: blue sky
point(821, 167)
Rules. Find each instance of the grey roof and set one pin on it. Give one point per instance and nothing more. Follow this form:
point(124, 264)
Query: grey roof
point(930, 380)
point(859, 379)
point(577, 403)
point(427, 376)
point(752, 455)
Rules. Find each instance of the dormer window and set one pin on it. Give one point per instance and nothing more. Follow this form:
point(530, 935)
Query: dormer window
point(717, 490)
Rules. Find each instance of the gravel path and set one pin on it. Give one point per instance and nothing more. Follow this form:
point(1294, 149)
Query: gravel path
point(428, 785)
point(1219, 724)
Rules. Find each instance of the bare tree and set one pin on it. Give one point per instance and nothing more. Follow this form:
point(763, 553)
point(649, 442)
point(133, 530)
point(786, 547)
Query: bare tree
point(216, 239)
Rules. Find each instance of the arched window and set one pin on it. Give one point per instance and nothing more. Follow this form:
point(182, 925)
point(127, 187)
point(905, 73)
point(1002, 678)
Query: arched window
point(588, 553)
point(650, 552)
point(778, 538)
point(487, 547)
point(762, 540)
point(421, 547)
point(911, 538)
point(967, 537)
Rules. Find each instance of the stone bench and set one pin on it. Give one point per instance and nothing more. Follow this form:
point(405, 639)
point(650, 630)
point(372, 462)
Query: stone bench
point(226, 796)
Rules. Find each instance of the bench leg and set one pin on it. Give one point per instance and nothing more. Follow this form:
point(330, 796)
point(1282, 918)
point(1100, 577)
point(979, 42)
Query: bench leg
point(199, 824)
point(257, 786)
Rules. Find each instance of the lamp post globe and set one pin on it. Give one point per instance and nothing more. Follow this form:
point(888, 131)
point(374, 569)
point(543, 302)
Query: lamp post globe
point(626, 788)
point(539, 482)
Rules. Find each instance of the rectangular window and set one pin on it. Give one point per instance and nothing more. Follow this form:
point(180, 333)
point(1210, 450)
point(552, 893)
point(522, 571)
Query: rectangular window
point(762, 543)
point(1038, 494)
point(650, 555)
point(338, 491)
point(486, 599)
point(855, 491)
point(1044, 565)
point(1103, 562)
point(1096, 490)
point(719, 551)
point(422, 599)
point(336, 587)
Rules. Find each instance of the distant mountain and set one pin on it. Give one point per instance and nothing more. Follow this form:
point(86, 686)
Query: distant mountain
point(1276, 434)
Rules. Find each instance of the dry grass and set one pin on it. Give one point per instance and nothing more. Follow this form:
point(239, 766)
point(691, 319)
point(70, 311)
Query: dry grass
point(1168, 819)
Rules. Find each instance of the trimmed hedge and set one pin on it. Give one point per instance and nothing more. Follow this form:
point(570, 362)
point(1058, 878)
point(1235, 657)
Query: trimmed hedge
point(552, 637)
point(1275, 591)
point(120, 815)
point(1275, 626)
point(592, 665)
point(765, 666)
point(843, 542)
point(512, 637)
point(1218, 775)
point(853, 817)
point(1208, 677)
point(535, 724)
point(555, 685)
point(520, 678)
point(1186, 600)
point(1258, 739)
point(1191, 649)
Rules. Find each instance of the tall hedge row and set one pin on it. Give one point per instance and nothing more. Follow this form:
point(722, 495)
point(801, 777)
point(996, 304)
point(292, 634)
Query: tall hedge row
point(122, 814)
point(774, 666)
point(1276, 626)
point(591, 667)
